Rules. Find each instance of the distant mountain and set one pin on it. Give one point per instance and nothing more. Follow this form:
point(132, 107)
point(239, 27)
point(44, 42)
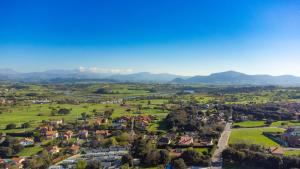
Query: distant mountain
point(223, 78)
point(145, 77)
point(237, 78)
point(73, 75)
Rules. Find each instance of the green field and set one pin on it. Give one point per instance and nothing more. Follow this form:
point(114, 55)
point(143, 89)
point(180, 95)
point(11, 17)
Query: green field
point(30, 151)
point(253, 136)
point(292, 153)
point(285, 123)
point(250, 124)
point(34, 114)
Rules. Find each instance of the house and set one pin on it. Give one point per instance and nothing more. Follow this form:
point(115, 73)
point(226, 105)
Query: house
point(66, 135)
point(206, 141)
point(292, 136)
point(103, 133)
point(100, 121)
point(55, 122)
point(2, 101)
point(18, 161)
point(45, 101)
point(123, 119)
point(27, 142)
point(185, 141)
point(74, 149)
point(163, 141)
point(83, 134)
point(53, 150)
point(52, 134)
point(276, 151)
point(48, 132)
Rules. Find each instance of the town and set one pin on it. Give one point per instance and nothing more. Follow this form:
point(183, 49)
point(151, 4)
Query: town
point(141, 126)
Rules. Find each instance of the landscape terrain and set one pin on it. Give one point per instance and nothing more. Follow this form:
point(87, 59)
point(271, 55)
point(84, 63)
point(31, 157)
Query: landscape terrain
point(91, 124)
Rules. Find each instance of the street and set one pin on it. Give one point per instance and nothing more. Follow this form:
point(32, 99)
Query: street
point(222, 144)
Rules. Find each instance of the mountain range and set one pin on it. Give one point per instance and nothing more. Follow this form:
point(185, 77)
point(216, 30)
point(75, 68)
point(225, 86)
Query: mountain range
point(222, 78)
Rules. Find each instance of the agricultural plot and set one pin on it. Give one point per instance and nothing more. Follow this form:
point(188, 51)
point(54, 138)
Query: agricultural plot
point(250, 124)
point(253, 136)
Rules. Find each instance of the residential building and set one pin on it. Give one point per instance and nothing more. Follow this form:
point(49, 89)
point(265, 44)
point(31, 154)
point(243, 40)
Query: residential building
point(292, 136)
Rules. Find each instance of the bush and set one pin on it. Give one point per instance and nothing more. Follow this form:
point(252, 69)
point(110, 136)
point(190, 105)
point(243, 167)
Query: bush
point(179, 164)
point(11, 126)
point(25, 125)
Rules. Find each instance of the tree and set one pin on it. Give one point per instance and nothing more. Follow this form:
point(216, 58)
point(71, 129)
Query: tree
point(179, 164)
point(127, 159)
point(96, 164)
point(6, 152)
point(191, 157)
point(82, 164)
point(152, 158)
point(64, 111)
point(25, 125)
point(164, 157)
point(11, 126)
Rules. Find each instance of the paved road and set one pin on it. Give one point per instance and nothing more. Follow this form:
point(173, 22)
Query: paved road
point(222, 144)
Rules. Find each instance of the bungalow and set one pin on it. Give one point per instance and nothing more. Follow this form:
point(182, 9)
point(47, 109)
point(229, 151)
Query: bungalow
point(103, 133)
point(52, 134)
point(43, 129)
point(53, 150)
point(67, 135)
point(2, 101)
point(276, 151)
point(48, 132)
point(27, 142)
point(74, 149)
point(83, 134)
point(123, 119)
point(203, 142)
point(185, 141)
point(100, 121)
point(55, 122)
point(292, 136)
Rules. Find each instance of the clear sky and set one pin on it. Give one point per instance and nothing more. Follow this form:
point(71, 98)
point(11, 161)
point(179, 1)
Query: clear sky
point(187, 37)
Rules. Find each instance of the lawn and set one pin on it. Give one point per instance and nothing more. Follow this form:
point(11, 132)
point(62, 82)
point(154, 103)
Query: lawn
point(30, 151)
point(250, 124)
point(253, 136)
point(285, 123)
point(292, 153)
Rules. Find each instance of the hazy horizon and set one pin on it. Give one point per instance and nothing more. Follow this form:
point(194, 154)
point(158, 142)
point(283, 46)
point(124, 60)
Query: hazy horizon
point(177, 37)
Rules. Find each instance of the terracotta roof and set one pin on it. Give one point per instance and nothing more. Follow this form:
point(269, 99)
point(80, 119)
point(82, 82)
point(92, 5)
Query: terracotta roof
point(277, 150)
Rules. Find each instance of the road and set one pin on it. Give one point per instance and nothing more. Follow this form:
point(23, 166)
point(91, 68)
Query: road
point(222, 144)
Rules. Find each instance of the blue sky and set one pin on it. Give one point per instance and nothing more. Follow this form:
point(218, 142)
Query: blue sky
point(187, 37)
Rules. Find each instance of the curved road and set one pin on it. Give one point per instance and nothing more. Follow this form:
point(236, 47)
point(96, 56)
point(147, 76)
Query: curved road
point(222, 144)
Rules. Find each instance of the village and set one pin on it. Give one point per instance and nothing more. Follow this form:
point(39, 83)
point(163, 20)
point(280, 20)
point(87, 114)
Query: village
point(179, 132)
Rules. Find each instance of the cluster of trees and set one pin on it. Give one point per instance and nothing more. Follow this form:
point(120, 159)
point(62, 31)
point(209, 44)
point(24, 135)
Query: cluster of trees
point(104, 91)
point(43, 160)
point(83, 164)
point(149, 155)
point(192, 157)
point(185, 120)
point(258, 159)
point(273, 111)
point(9, 147)
point(61, 111)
